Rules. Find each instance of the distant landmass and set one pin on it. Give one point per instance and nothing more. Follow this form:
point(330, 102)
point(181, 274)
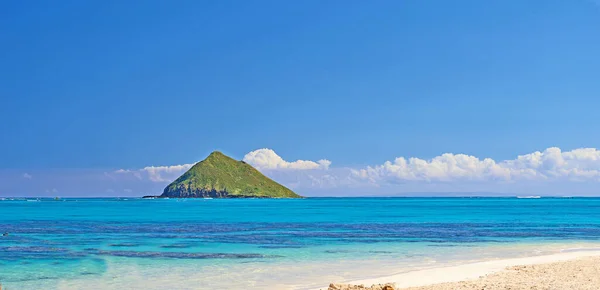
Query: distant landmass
point(220, 176)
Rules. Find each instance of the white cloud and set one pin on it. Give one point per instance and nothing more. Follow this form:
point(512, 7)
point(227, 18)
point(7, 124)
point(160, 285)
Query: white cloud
point(135, 173)
point(157, 173)
point(127, 190)
point(267, 159)
point(27, 176)
point(551, 164)
point(165, 173)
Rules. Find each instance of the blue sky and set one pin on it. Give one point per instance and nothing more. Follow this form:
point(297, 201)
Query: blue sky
point(92, 87)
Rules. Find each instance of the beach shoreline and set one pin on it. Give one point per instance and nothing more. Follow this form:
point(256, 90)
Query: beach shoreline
point(422, 279)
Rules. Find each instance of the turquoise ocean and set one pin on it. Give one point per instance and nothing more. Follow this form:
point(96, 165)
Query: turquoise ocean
point(131, 243)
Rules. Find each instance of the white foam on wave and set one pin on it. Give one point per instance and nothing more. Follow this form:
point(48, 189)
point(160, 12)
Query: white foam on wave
point(580, 249)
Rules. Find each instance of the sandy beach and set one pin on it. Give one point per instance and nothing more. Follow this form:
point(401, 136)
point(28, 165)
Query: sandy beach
point(582, 273)
point(571, 270)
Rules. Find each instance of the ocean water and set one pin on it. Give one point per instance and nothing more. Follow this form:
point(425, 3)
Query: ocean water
point(272, 243)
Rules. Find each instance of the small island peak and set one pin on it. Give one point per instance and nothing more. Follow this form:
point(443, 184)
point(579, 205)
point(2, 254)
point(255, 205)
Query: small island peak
point(220, 176)
point(216, 153)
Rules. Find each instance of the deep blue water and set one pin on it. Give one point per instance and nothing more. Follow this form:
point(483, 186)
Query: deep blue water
point(57, 241)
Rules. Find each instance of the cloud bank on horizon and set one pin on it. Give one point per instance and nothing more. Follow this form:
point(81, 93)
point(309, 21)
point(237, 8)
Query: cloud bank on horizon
point(551, 171)
point(552, 164)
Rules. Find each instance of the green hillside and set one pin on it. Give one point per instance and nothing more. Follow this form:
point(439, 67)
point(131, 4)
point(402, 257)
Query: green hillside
point(220, 176)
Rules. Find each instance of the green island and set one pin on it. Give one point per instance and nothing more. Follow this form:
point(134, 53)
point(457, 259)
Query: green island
point(220, 176)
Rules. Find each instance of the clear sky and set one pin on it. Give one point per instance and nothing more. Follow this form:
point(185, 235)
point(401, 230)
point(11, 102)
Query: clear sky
point(88, 88)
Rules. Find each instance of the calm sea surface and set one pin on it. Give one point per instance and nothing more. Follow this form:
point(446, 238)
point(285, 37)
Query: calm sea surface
point(272, 244)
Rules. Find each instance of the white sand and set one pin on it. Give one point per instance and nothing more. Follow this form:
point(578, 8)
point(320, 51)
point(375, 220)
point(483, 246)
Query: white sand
point(467, 271)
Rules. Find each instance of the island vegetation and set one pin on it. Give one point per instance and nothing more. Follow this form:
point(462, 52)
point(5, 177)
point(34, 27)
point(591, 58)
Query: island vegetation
point(220, 176)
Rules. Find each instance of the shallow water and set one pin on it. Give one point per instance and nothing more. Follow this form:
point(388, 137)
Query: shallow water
point(272, 244)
